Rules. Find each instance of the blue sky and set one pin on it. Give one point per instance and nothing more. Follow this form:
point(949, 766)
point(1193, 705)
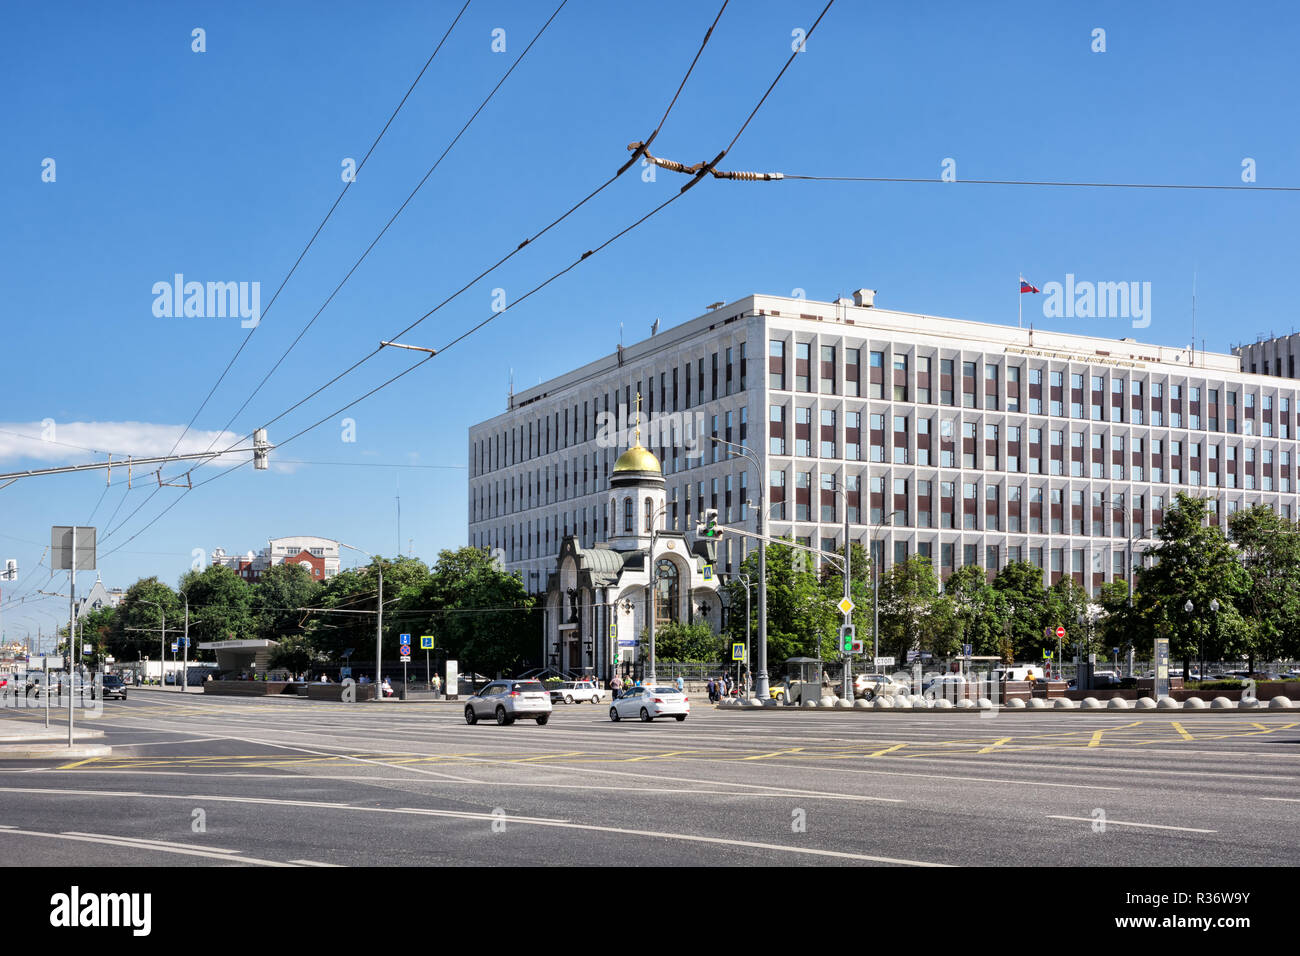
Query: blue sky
point(219, 165)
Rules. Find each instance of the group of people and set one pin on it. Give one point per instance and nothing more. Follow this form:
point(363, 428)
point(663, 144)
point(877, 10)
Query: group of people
point(720, 687)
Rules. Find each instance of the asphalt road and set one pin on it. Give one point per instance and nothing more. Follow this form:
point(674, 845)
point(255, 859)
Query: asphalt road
point(203, 781)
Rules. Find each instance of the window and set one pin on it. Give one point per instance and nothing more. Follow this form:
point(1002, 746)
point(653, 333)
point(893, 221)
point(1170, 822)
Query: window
point(776, 429)
point(1076, 396)
point(1035, 510)
point(628, 526)
point(1013, 509)
point(1056, 402)
point(945, 381)
point(1057, 452)
point(828, 499)
point(802, 361)
point(802, 429)
point(967, 384)
point(900, 440)
point(1076, 454)
point(827, 377)
point(877, 437)
point(1098, 385)
point(775, 367)
point(970, 500)
point(877, 375)
point(853, 436)
point(828, 433)
point(649, 515)
point(1076, 512)
point(852, 384)
point(968, 445)
point(900, 378)
point(1013, 388)
point(991, 447)
point(923, 375)
point(991, 508)
point(991, 387)
point(775, 490)
point(802, 490)
point(1097, 463)
point(1013, 447)
point(945, 443)
point(1057, 505)
point(923, 441)
point(1035, 391)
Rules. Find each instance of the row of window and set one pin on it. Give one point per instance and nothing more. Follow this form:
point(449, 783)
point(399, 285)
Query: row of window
point(1182, 404)
point(666, 391)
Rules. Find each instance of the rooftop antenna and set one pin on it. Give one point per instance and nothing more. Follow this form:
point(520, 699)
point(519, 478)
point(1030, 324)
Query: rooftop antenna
point(1193, 362)
point(510, 395)
point(398, 478)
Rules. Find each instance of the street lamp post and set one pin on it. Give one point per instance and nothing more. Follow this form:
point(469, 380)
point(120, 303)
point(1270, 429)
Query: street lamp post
point(748, 672)
point(185, 666)
point(654, 585)
point(760, 677)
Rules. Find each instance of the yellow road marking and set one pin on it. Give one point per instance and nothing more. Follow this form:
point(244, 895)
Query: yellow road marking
point(1096, 738)
point(671, 753)
point(887, 750)
point(78, 763)
point(997, 743)
point(1182, 732)
point(775, 753)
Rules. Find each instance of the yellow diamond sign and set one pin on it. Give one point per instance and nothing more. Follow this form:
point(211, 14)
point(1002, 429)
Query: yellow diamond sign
point(846, 606)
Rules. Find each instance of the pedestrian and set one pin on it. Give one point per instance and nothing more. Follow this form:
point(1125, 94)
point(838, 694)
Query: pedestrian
point(681, 684)
point(713, 690)
point(616, 685)
point(437, 685)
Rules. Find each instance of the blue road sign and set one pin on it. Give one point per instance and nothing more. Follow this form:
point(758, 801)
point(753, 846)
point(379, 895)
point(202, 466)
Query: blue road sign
point(965, 650)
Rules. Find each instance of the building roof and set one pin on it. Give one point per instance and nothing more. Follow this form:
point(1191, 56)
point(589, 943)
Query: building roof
point(637, 458)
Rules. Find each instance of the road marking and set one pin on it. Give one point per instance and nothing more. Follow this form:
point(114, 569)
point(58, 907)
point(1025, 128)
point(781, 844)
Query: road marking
point(314, 863)
point(1096, 738)
point(1283, 799)
point(1122, 823)
point(146, 840)
point(987, 750)
point(946, 776)
point(115, 841)
point(1181, 731)
point(881, 753)
point(778, 753)
point(78, 763)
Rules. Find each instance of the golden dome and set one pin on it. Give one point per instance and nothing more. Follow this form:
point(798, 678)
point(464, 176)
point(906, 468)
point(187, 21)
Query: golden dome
point(637, 458)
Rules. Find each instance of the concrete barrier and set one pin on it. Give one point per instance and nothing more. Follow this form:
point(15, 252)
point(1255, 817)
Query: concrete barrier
point(1015, 703)
point(1062, 703)
point(1091, 703)
point(1222, 703)
point(1194, 703)
point(882, 703)
point(1145, 703)
point(1168, 703)
point(1279, 703)
point(1117, 703)
point(1037, 703)
point(984, 704)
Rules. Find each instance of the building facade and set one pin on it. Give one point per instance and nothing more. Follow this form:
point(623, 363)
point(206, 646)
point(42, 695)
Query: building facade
point(320, 556)
point(1272, 356)
point(964, 442)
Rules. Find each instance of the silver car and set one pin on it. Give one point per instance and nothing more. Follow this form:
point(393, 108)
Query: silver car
point(506, 700)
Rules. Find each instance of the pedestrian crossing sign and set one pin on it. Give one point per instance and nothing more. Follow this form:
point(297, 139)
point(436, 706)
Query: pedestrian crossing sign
point(708, 572)
point(426, 642)
point(737, 652)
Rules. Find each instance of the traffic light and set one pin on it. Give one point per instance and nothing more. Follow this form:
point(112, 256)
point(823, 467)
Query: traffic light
point(847, 637)
point(709, 527)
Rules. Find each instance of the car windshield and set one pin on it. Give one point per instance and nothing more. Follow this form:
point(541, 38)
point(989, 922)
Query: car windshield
point(530, 687)
point(666, 690)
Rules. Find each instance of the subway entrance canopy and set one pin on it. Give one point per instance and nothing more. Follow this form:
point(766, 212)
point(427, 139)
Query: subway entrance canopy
point(241, 655)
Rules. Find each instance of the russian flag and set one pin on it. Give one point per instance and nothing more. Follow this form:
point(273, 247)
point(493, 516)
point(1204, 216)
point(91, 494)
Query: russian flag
point(1028, 286)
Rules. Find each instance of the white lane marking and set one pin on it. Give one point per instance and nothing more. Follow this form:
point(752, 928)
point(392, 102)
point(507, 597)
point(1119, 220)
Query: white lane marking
point(1122, 823)
point(114, 841)
point(477, 761)
point(163, 743)
point(314, 863)
point(146, 840)
point(478, 816)
point(1283, 799)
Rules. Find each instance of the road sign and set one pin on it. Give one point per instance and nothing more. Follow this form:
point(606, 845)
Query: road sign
point(406, 638)
point(175, 647)
point(708, 572)
point(406, 659)
point(857, 647)
point(965, 650)
point(737, 652)
point(882, 662)
point(426, 642)
point(1047, 655)
point(1060, 632)
point(845, 605)
point(405, 649)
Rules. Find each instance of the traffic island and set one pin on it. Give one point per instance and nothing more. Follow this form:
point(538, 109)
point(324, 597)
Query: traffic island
point(39, 743)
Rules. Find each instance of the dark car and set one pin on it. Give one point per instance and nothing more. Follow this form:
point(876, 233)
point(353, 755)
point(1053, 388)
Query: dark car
point(114, 686)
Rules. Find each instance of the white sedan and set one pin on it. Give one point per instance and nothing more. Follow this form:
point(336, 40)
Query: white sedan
point(649, 703)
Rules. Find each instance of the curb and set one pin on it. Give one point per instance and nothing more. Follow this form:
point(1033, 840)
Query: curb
point(1003, 709)
point(53, 751)
point(41, 735)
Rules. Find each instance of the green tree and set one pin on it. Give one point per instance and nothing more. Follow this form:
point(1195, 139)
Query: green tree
point(679, 641)
point(1196, 564)
point(219, 605)
point(1024, 604)
point(912, 615)
point(293, 652)
point(1269, 601)
point(477, 612)
point(801, 621)
point(353, 597)
point(1067, 607)
point(135, 630)
point(979, 615)
point(278, 598)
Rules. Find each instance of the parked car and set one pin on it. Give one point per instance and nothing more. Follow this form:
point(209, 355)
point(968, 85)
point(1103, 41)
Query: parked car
point(572, 691)
point(508, 700)
point(661, 700)
point(867, 686)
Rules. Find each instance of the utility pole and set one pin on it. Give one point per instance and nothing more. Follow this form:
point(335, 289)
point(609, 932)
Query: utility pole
point(848, 600)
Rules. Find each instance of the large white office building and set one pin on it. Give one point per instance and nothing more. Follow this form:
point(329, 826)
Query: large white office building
point(965, 442)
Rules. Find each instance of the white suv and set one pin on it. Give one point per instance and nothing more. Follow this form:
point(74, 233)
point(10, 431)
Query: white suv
point(573, 691)
point(507, 700)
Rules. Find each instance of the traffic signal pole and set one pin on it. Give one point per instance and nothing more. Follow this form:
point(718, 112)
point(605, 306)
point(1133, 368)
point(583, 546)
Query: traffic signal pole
point(848, 615)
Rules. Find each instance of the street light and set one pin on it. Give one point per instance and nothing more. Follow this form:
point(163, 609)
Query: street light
point(759, 514)
point(379, 615)
point(654, 585)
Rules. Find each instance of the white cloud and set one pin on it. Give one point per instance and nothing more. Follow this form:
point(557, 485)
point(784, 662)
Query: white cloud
point(57, 443)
